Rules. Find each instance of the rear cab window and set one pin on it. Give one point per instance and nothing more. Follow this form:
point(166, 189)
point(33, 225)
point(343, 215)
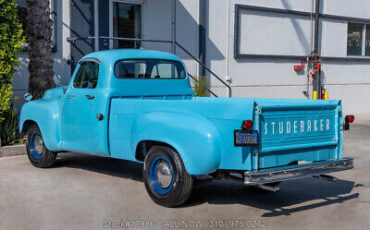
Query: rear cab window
point(149, 69)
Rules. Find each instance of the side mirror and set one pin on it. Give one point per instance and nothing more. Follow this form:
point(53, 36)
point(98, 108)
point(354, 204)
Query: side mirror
point(57, 78)
point(28, 96)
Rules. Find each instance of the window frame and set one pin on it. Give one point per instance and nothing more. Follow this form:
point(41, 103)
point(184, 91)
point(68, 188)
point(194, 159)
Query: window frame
point(366, 27)
point(96, 61)
point(140, 59)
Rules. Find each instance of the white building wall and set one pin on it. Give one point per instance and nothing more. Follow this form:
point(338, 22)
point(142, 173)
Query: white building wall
point(353, 8)
point(187, 32)
point(278, 34)
point(261, 33)
point(349, 81)
point(157, 25)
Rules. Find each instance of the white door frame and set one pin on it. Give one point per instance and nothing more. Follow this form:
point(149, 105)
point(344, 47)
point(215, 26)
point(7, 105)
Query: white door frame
point(137, 2)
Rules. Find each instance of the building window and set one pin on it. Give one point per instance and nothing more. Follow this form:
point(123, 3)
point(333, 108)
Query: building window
point(126, 24)
point(358, 39)
point(354, 39)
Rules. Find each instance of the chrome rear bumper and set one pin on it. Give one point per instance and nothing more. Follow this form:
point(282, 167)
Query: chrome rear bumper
point(263, 177)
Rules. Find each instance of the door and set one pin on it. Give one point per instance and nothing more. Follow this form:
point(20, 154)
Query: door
point(125, 22)
point(83, 130)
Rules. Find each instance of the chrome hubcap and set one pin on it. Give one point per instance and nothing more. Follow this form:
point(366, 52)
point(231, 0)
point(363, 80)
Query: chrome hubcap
point(164, 175)
point(39, 144)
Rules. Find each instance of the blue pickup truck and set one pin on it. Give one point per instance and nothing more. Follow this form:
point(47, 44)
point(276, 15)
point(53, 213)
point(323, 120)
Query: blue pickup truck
point(138, 105)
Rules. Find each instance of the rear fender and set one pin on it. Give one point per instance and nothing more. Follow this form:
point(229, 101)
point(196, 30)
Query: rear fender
point(192, 136)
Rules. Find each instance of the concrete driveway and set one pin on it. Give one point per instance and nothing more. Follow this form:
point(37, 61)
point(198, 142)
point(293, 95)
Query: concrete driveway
point(87, 192)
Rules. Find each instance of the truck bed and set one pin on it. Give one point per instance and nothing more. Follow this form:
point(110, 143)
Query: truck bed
point(309, 130)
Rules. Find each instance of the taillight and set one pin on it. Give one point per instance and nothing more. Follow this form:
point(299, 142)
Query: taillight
point(347, 120)
point(248, 124)
point(350, 118)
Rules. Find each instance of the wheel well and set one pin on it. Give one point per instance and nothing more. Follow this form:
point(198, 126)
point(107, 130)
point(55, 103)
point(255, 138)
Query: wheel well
point(144, 146)
point(27, 124)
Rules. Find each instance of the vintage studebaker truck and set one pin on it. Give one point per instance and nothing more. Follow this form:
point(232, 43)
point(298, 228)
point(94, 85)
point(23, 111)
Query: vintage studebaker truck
point(138, 105)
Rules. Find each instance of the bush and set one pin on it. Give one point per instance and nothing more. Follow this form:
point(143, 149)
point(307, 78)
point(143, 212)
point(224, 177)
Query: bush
point(8, 127)
point(200, 87)
point(11, 40)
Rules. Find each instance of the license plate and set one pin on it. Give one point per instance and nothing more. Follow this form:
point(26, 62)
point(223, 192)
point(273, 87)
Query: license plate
point(244, 138)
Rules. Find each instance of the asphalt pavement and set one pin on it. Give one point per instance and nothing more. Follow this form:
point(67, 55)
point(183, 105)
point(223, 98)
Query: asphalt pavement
point(89, 192)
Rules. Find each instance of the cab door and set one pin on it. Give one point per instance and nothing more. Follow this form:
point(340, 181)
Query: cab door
point(83, 129)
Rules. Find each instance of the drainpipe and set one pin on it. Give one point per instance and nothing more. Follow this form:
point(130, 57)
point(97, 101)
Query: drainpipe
point(316, 82)
point(173, 27)
point(202, 35)
point(317, 18)
point(96, 24)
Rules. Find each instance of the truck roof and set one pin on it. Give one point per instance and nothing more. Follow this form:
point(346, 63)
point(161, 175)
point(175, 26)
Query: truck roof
point(118, 54)
point(138, 87)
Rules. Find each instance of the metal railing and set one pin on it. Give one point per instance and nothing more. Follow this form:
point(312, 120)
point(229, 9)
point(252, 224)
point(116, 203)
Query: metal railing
point(206, 68)
point(73, 40)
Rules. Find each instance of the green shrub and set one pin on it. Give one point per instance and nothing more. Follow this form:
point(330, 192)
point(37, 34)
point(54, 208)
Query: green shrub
point(8, 127)
point(200, 88)
point(11, 40)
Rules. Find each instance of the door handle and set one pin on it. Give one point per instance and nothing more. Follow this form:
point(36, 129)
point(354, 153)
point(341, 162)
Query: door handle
point(70, 96)
point(90, 96)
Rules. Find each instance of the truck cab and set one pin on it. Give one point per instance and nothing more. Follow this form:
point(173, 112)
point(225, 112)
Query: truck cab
point(138, 105)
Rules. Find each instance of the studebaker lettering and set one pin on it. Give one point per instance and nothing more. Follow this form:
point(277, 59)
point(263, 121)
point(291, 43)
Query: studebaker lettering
point(282, 127)
point(138, 105)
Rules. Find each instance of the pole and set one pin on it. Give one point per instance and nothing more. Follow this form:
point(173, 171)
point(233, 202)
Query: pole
point(317, 14)
point(173, 27)
point(202, 35)
point(316, 81)
point(96, 24)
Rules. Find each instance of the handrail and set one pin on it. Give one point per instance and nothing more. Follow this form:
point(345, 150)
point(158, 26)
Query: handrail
point(163, 41)
point(79, 38)
point(205, 67)
point(135, 39)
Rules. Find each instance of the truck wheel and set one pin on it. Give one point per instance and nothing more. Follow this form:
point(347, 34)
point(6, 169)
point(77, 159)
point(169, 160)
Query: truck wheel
point(38, 154)
point(165, 177)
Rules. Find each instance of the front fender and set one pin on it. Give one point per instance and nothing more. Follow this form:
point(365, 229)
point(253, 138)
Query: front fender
point(194, 137)
point(47, 113)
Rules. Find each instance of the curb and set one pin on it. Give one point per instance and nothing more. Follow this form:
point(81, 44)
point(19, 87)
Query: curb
point(13, 150)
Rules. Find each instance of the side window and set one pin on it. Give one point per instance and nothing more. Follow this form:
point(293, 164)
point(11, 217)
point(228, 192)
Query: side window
point(87, 75)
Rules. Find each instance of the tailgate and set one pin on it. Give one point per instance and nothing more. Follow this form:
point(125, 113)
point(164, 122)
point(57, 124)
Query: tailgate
point(291, 133)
